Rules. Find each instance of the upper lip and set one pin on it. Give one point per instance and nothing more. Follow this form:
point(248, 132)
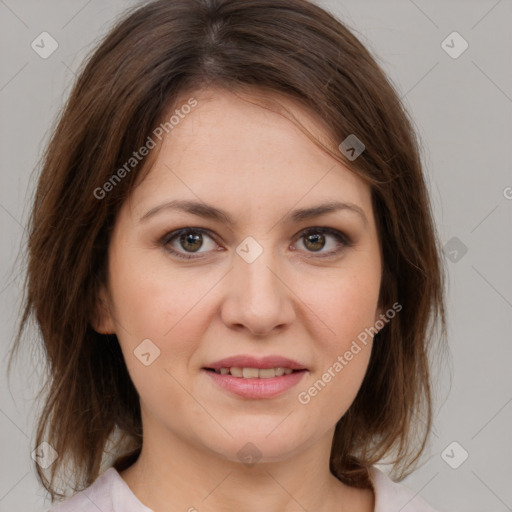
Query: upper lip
point(248, 361)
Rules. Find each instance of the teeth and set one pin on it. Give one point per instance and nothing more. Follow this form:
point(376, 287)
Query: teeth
point(254, 373)
point(265, 373)
point(236, 372)
point(250, 373)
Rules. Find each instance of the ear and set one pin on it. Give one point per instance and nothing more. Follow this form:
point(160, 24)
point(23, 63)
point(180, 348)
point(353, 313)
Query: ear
point(103, 320)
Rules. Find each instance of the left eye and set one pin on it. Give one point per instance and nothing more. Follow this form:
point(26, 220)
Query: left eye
point(313, 239)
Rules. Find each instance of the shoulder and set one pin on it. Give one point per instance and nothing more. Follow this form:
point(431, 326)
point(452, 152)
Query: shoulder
point(97, 496)
point(108, 493)
point(391, 496)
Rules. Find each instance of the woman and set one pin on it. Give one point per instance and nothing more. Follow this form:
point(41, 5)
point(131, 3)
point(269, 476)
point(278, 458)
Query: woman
point(235, 270)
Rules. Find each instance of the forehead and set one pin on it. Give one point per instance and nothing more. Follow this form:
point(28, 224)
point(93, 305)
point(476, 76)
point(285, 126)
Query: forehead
point(232, 150)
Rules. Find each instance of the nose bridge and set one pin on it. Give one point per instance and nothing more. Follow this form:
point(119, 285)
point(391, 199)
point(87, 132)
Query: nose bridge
point(253, 264)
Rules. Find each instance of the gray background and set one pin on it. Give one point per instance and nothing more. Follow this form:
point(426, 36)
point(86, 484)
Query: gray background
point(463, 111)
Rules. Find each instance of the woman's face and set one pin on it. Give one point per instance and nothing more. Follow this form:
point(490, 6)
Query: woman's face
point(272, 282)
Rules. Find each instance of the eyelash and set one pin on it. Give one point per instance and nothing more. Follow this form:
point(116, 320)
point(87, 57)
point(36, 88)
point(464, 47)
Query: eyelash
point(338, 235)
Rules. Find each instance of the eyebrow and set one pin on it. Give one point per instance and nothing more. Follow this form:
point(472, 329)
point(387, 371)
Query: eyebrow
point(210, 212)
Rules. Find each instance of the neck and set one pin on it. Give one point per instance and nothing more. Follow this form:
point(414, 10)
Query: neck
point(176, 475)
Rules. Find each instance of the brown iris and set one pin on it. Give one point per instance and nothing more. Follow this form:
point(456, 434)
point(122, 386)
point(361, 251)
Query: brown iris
point(192, 240)
point(314, 242)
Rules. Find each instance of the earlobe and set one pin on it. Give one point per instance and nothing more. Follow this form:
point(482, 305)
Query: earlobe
point(103, 322)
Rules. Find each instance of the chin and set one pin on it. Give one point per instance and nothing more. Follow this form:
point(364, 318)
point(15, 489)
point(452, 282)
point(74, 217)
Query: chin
point(258, 445)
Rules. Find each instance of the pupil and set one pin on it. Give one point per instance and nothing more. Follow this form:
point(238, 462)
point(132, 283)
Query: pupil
point(193, 239)
point(315, 239)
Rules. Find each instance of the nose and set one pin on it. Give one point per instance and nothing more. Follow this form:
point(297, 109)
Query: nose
point(258, 297)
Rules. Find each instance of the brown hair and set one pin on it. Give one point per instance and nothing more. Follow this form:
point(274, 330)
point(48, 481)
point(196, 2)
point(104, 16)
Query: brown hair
point(154, 54)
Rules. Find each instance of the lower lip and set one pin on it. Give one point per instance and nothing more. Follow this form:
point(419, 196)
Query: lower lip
point(256, 388)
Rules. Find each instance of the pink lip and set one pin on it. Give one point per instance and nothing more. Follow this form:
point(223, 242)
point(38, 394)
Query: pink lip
point(247, 361)
point(256, 388)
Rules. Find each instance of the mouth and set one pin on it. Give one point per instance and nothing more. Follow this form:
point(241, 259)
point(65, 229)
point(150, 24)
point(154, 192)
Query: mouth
point(254, 373)
point(254, 383)
point(255, 376)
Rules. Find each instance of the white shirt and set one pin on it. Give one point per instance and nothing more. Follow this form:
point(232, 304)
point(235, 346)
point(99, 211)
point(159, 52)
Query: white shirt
point(110, 493)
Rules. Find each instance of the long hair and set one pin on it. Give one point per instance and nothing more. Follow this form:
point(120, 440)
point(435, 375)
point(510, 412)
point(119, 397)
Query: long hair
point(149, 60)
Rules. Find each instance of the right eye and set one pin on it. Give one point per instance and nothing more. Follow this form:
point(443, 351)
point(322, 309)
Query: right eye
point(189, 240)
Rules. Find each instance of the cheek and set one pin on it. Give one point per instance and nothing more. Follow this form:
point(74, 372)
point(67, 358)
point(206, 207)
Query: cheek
point(150, 297)
point(332, 391)
point(345, 305)
point(155, 313)
point(345, 312)
point(154, 301)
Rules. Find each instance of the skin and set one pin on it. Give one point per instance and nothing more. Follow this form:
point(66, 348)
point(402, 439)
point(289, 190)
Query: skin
point(256, 165)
